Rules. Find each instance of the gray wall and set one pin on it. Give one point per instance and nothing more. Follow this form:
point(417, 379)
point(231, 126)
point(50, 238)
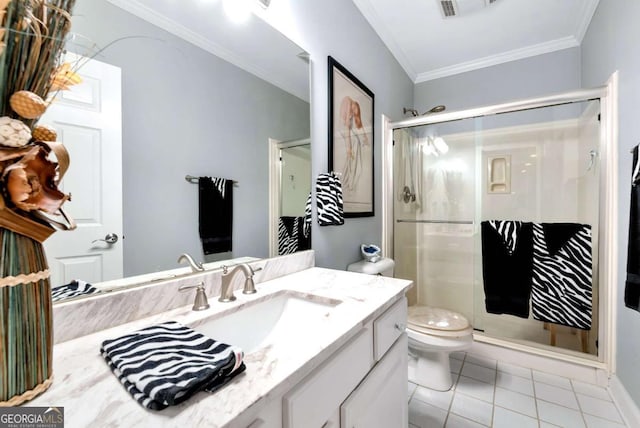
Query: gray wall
point(611, 44)
point(337, 28)
point(539, 75)
point(185, 111)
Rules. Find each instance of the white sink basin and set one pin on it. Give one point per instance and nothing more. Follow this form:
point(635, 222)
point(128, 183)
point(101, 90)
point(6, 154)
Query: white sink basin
point(284, 315)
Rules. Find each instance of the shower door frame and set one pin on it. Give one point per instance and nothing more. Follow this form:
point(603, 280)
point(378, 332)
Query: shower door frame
point(608, 205)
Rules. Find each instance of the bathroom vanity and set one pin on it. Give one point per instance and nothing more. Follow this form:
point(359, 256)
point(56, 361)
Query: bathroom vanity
point(323, 348)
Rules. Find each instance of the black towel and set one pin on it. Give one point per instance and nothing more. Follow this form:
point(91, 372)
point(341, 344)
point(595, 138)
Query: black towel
point(507, 266)
point(164, 365)
point(632, 284)
point(562, 274)
point(216, 214)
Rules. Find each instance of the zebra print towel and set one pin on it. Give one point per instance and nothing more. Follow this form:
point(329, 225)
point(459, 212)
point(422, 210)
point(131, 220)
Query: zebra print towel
point(507, 266)
point(562, 284)
point(632, 284)
point(329, 200)
point(73, 289)
point(307, 219)
point(291, 237)
point(164, 365)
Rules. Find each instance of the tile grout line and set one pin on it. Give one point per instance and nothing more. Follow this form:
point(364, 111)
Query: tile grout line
point(455, 390)
point(578, 401)
point(493, 401)
point(535, 399)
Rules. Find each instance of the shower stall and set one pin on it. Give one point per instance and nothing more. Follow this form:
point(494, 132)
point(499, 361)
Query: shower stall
point(542, 163)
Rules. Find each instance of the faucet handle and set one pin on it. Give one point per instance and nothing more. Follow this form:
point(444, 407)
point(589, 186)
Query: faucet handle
point(253, 271)
point(201, 302)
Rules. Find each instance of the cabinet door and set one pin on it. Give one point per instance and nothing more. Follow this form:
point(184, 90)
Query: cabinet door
point(269, 417)
point(313, 401)
point(380, 401)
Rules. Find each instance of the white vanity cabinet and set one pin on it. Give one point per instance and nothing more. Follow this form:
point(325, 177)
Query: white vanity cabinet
point(380, 401)
point(363, 384)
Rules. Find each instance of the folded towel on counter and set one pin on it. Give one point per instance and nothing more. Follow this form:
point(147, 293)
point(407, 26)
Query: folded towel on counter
point(507, 266)
point(165, 364)
point(215, 214)
point(73, 289)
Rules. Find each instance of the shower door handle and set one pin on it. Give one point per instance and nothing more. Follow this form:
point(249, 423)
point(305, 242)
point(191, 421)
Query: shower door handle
point(400, 327)
point(592, 161)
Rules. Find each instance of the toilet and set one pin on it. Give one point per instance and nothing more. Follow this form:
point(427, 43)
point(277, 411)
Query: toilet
point(433, 334)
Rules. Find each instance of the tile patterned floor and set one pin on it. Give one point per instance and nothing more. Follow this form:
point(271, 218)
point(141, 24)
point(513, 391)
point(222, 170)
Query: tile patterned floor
point(490, 393)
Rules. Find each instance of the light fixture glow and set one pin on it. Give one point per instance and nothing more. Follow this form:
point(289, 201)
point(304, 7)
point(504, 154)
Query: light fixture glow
point(441, 145)
point(238, 11)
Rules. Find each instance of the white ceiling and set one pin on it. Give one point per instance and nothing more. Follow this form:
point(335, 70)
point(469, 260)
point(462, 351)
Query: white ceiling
point(429, 46)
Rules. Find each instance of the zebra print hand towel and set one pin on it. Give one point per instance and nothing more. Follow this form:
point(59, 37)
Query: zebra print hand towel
point(164, 365)
point(73, 289)
point(329, 200)
point(507, 266)
point(562, 285)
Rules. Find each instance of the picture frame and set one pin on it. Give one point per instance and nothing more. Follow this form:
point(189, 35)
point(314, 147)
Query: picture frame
point(351, 139)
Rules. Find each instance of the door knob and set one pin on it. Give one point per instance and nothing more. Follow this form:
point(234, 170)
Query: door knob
point(110, 238)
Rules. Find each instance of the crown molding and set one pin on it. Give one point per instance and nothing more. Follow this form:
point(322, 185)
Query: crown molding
point(147, 14)
point(383, 32)
point(501, 58)
point(588, 11)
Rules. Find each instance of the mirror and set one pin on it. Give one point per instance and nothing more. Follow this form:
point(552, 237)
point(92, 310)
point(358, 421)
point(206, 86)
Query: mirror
point(185, 111)
point(293, 193)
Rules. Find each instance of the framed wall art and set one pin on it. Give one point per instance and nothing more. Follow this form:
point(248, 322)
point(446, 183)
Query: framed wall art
point(351, 139)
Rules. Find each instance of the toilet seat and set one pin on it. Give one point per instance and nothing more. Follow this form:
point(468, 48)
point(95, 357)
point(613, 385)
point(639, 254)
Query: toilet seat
point(437, 322)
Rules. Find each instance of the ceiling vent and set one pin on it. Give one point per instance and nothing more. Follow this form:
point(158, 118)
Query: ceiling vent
point(451, 8)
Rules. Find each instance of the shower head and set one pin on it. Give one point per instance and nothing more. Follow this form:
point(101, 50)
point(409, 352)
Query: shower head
point(436, 109)
point(413, 111)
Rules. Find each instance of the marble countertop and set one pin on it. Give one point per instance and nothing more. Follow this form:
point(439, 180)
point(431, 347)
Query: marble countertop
point(92, 396)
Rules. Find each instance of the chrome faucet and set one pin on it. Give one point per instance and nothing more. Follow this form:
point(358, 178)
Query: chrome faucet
point(226, 292)
point(195, 267)
point(200, 303)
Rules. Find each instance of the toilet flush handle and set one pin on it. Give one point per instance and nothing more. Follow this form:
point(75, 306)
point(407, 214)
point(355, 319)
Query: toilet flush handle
point(400, 326)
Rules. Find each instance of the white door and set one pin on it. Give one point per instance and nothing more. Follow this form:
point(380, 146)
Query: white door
point(88, 119)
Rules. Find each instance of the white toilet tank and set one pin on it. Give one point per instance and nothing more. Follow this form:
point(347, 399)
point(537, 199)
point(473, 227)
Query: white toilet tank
point(383, 267)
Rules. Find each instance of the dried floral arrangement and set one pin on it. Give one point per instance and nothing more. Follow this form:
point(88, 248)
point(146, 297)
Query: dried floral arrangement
point(32, 39)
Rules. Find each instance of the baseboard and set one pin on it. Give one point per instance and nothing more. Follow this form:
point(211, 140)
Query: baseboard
point(626, 405)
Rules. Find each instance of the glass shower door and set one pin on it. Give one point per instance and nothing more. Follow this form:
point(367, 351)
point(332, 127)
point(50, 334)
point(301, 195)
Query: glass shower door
point(537, 166)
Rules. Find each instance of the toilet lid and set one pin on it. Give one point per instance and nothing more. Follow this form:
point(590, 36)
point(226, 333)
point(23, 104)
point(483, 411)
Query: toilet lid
point(427, 317)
